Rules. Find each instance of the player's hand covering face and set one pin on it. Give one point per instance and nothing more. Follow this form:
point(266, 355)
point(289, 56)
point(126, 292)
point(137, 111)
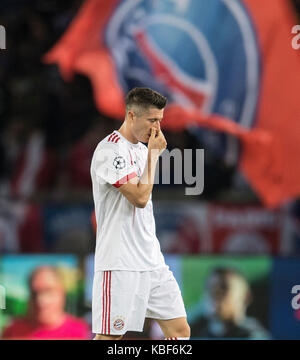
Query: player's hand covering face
point(157, 141)
point(144, 121)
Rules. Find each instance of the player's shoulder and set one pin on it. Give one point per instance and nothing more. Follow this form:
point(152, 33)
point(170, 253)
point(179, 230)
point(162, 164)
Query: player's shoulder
point(112, 142)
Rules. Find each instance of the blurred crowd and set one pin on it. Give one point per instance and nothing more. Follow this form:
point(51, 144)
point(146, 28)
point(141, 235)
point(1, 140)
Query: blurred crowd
point(49, 128)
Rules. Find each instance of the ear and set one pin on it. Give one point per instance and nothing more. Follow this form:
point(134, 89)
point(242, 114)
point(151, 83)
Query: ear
point(130, 115)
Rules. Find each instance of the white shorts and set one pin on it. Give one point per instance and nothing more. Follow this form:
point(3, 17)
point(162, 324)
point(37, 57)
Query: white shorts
point(123, 299)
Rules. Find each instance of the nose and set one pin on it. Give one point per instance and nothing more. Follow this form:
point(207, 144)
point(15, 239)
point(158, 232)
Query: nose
point(157, 125)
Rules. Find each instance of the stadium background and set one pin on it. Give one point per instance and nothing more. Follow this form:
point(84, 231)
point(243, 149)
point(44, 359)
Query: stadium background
point(48, 131)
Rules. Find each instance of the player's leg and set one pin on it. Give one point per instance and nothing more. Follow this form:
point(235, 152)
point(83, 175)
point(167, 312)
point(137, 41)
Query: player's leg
point(166, 305)
point(119, 303)
point(175, 328)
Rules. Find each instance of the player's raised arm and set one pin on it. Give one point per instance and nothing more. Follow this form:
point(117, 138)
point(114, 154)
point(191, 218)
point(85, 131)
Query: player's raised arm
point(138, 191)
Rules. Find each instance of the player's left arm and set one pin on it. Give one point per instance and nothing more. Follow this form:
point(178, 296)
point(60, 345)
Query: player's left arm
point(139, 191)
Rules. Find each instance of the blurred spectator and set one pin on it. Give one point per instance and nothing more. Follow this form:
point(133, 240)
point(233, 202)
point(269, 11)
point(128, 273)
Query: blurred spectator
point(28, 165)
point(30, 230)
point(11, 142)
point(228, 296)
point(82, 152)
point(35, 167)
point(21, 227)
point(187, 239)
point(46, 318)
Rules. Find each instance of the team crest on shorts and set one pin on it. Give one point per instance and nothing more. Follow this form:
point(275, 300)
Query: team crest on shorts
point(119, 323)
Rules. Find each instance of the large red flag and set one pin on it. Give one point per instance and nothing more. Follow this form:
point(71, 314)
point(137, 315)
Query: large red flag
point(271, 144)
point(276, 179)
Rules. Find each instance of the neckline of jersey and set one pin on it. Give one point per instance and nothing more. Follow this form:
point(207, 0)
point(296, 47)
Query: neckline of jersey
point(135, 145)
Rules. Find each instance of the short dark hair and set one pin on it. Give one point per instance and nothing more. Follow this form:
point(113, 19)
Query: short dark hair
point(145, 97)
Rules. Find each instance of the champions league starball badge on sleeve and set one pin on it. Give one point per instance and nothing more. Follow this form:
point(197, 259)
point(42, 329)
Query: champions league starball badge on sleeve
point(119, 163)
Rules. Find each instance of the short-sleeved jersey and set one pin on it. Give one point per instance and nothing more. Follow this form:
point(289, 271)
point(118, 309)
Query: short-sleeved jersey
point(126, 235)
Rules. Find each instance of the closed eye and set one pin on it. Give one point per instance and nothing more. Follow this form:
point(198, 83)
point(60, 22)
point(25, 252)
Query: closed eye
point(154, 120)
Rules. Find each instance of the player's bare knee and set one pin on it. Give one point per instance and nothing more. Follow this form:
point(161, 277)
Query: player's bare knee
point(183, 331)
point(186, 331)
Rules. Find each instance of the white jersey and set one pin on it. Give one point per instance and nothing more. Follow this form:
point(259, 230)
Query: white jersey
point(126, 238)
